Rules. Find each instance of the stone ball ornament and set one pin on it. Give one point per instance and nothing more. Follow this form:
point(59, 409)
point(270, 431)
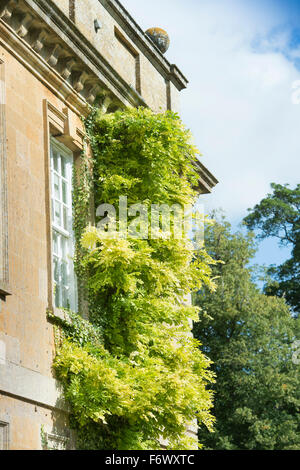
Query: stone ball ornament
point(160, 38)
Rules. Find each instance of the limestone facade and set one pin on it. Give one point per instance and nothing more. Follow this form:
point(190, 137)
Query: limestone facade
point(56, 59)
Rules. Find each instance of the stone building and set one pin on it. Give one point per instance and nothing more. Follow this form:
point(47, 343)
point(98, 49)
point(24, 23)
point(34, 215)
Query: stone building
point(56, 57)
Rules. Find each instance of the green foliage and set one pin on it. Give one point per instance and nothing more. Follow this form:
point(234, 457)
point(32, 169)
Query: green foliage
point(145, 156)
point(44, 440)
point(249, 338)
point(278, 215)
point(82, 200)
point(81, 331)
point(141, 376)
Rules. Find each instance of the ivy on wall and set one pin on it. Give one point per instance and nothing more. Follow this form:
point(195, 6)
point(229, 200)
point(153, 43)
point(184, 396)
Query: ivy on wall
point(133, 374)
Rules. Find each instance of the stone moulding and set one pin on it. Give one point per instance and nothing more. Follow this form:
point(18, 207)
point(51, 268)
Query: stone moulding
point(41, 37)
point(57, 442)
point(207, 181)
point(4, 273)
point(50, 45)
point(4, 435)
point(20, 382)
point(59, 317)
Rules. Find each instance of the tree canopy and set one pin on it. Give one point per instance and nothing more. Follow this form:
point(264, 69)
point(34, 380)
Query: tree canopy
point(278, 215)
point(249, 338)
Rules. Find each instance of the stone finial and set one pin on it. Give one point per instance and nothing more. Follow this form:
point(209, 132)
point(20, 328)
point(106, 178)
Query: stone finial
point(160, 38)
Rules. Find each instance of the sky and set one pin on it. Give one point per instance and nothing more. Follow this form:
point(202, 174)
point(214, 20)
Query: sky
point(242, 59)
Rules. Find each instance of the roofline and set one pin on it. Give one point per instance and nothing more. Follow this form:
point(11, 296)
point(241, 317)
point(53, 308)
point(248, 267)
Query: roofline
point(207, 180)
point(134, 31)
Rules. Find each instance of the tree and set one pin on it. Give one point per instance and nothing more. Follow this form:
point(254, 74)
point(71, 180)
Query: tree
point(249, 338)
point(278, 215)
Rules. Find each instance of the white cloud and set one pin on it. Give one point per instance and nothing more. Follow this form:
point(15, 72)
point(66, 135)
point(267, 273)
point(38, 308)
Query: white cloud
point(238, 103)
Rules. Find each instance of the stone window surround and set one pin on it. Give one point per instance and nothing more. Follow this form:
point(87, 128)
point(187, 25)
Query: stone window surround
point(62, 227)
point(57, 125)
point(56, 442)
point(5, 426)
point(4, 269)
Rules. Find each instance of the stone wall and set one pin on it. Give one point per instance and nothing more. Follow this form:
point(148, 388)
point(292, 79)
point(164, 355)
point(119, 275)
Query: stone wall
point(64, 5)
point(27, 425)
point(115, 23)
point(28, 394)
point(53, 64)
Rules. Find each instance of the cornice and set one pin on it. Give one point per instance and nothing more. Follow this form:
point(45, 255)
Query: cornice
point(48, 43)
point(54, 50)
point(207, 181)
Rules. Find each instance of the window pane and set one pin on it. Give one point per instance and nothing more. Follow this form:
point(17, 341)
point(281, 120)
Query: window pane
point(55, 242)
point(57, 296)
point(65, 298)
point(56, 281)
point(64, 247)
point(63, 167)
point(57, 216)
point(56, 269)
point(64, 273)
point(56, 187)
point(55, 160)
point(64, 192)
point(65, 211)
point(64, 278)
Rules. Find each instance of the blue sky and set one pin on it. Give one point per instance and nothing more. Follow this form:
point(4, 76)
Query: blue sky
point(241, 58)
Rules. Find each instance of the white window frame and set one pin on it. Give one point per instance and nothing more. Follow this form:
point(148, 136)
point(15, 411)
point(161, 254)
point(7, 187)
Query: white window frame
point(63, 241)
